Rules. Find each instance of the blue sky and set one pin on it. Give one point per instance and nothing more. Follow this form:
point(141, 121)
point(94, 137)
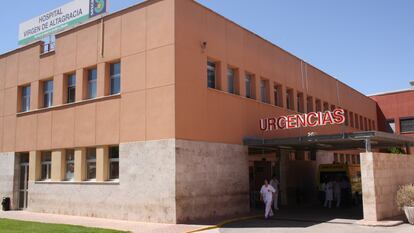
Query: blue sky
point(367, 44)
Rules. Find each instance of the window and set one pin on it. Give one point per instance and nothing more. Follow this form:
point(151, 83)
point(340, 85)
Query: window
point(299, 103)
point(361, 123)
point(369, 125)
point(92, 76)
point(407, 125)
point(325, 106)
point(390, 126)
point(356, 121)
point(91, 164)
point(211, 74)
point(332, 107)
point(318, 105)
point(249, 86)
point(264, 84)
point(277, 92)
point(289, 99)
point(25, 99)
point(114, 163)
point(309, 104)
point(351, 119)
point(346, 117)
point(71, 88)
point(115, 78)
point(46, 164)
point(373, 125)
point(231, 81)
point(70, 165)
point(47, 93)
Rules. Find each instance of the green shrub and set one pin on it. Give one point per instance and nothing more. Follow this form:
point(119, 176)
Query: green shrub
point(405, 196)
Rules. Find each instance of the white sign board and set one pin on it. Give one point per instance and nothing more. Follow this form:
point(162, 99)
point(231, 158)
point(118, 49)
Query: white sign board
point(58, 19)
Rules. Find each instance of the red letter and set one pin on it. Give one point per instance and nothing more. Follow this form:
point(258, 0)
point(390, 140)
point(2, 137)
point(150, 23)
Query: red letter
point(327, 118)
point(291, 122)
point(314, 116)
point(281, 122)
point(272, 123)
point(263, 124)
point(301, 121)
point(339, 116)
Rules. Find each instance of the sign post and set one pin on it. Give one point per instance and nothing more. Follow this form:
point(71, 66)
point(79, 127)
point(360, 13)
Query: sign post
point(59, 19)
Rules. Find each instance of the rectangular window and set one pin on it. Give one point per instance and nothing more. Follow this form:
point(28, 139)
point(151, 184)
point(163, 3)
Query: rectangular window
point(92, 76)
point(70, 165)
point(346, 117)
point(47, 93)
point(325, 106)
point(46, 165)
point(369, 125)
point(318, 105)
point(211, 74)
point(115, 78)
point(407, 125)
point(300, 103)
point(374, 125)
point(264, 86)
point(361, 123)
point(71, 88)
point(277, 92)
point(309, 104)
point(249, 86)
point(91, 163)
point(25, 98)
point(289, 99)
point(114, 163)
point(351, 119)
point(231, 81)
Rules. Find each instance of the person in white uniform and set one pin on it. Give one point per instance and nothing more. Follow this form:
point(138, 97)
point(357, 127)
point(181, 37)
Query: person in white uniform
point(266, 194)
point(329, 193)
point(275, 184)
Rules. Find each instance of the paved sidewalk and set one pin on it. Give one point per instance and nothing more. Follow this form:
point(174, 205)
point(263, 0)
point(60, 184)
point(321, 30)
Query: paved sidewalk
point(135, 227)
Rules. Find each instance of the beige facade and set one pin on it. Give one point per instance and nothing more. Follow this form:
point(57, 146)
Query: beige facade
point(180, 142)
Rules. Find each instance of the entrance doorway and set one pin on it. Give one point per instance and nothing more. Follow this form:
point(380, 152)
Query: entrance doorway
point(23, 180)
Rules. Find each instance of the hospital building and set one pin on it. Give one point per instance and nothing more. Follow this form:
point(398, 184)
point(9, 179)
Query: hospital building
point(152, 113)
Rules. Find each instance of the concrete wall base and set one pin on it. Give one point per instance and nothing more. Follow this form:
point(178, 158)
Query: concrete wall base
point(8, 177)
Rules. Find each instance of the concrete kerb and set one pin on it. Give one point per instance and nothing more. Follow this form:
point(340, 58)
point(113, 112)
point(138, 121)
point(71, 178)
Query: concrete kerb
point(219, 225)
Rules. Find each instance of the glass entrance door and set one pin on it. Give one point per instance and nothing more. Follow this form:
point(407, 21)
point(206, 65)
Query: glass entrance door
point(23, 181)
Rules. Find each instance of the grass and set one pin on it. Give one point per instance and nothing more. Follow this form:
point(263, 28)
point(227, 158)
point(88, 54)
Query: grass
point(15, 226)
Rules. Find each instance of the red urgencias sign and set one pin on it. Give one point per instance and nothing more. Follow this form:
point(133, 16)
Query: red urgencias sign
point(311, 119)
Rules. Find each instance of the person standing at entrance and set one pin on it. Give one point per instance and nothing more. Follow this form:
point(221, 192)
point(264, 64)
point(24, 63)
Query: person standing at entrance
point(329, 193)
point(275, 184)
point(266, 194)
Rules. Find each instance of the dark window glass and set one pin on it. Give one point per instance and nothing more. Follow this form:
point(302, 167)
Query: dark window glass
point(46, 165)
point(407, 125)
point(70, 165)
point(211, 74)
point(114, 163)
point(115, 78)
point(277, 92)
point(92, 76)
point(47, 93)
point(71, 88)
point(91, 163)
point(25, 100)
point(231, 81)
point(249, 86)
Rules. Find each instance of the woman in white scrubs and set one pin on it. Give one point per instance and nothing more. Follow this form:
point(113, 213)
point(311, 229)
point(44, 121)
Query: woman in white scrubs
point(267, 192)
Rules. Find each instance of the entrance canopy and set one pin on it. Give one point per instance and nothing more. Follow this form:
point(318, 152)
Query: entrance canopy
point(364, 140)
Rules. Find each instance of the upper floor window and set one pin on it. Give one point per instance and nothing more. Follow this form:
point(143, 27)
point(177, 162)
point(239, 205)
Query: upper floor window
point(407, 125)
point(289, 99)
point(211, 74)
point(46, 165)
point(300, 105)
point(71, 88)
point(47, 93)
point(351, 119)
point(356, 121)
point(264, 94)
point(115, 78)
point(25, 98)
point(114, 163)
point(92, 76)
point(346, 117)
point(325, 106)
point(70, 165)
point(318, 105)
point(91, 163)
point(231, 81)
point(249, 86)
point(309, 104)
point(277, 95)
